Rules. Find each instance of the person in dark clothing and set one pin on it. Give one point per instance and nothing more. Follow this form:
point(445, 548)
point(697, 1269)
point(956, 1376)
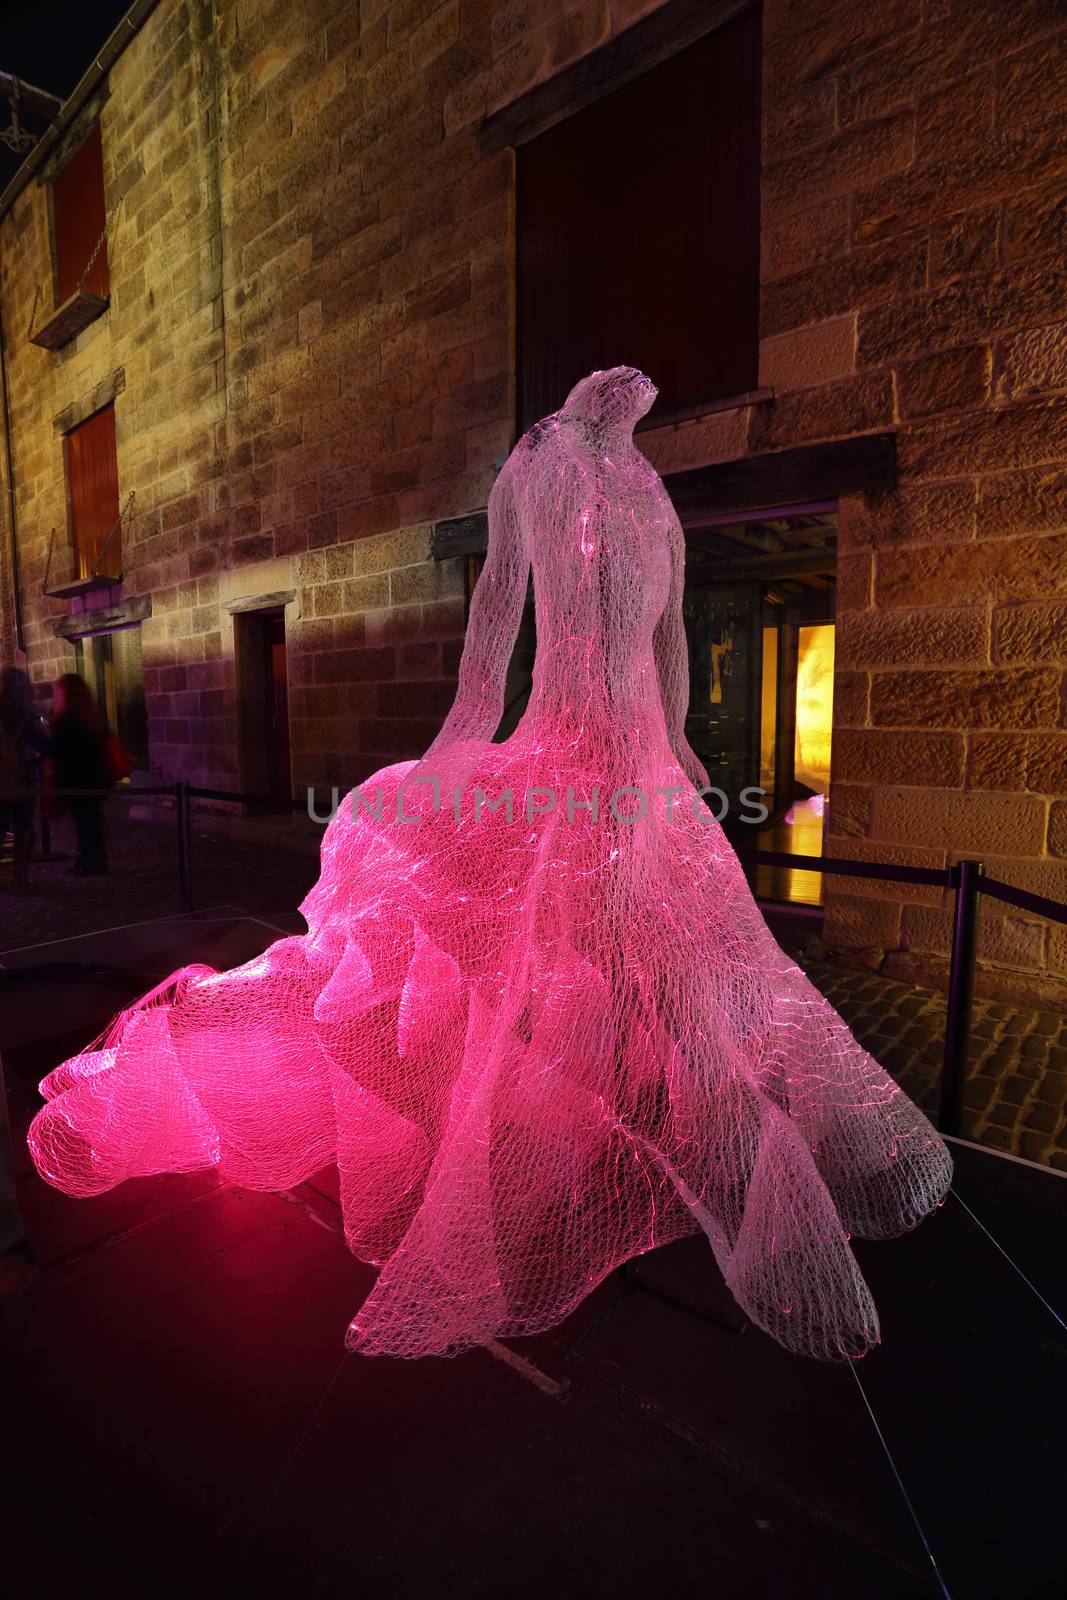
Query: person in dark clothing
point(77, 749)
point(22, 740)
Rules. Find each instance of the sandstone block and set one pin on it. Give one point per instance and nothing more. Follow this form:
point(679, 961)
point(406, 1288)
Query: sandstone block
point(327, 599)
point(427, 699)
point(404, 548)
point(854, 576)
point(851, 695)
point(877, 756)
point(1027, 698)
point(887, 271)
point(1045, 877)
point(365, 518)
point(859, 922)
point(975, 175)
point(1031, 362)
point(893, 856)
point(1035, 226)
point(960, 312)
point(994, 569)
point(1018, 436)
point(1033, 632)
point(411, 585)
point(790, 245)
point(849, 808)
point(1022, 502)
point(854, 405)
point(839, 166)
point(957, 118)
point(355, 666)
point(1057, 951)
point(396, 739)
point(965, 244)
point(360, 594)
point(939, 513)
point(420, 660)
point(977, 823)
point(1004, 940)
point(804, 118)
point(1031, 88)
point(808, 357)
point(804, 43)
point(719, 437)
point(931, 637)
point(946, 381)
point(1036, 762)
point(816, 294)
point(1057, 828)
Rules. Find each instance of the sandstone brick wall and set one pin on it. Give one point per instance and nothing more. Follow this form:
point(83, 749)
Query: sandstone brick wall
point(312, 302)
point(311, 297)
point(163, 333)
point(915, 218)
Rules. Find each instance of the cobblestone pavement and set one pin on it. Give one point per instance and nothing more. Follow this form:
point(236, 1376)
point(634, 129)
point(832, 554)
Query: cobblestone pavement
point(1017, 1084)
point(1014, 1098)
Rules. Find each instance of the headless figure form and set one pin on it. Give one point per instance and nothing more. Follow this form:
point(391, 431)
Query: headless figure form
point(537, 1038)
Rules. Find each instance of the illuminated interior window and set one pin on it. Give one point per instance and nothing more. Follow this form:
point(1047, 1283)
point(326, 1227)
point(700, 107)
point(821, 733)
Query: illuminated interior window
point(815, 700)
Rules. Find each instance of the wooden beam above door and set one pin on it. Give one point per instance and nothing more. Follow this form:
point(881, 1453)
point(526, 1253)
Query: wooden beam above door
point(646, 44)
point(785, 477)
point(812, 472)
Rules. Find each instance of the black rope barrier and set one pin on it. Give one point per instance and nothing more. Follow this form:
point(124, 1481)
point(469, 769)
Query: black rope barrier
point(1039, 904)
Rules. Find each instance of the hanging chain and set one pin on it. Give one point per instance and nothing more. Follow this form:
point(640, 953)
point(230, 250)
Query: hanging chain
point(108, 221)
point(108, 224)
point(16, 137)
point(123, 514)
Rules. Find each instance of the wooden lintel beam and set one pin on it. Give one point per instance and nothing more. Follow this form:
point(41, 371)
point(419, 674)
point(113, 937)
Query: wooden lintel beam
point(628, 55)
point(785, 477)
point(28, 94)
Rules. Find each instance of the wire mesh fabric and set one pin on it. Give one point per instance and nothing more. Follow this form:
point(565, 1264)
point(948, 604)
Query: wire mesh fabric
point(537, 1020)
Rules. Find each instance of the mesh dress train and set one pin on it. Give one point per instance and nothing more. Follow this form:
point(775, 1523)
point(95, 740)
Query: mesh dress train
point(542, 1034)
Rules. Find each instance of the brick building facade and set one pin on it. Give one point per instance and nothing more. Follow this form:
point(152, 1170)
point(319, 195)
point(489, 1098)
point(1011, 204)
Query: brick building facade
point(310, 350)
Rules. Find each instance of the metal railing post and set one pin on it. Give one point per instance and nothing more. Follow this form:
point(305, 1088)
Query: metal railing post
point(185, 853)
point(968, 875)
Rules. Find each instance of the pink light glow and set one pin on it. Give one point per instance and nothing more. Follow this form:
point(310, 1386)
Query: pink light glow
point(814, 805)
point(535, 1047)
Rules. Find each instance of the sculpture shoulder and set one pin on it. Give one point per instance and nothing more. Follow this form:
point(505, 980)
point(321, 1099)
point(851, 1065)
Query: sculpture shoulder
point(542, 433)
point(539, 450)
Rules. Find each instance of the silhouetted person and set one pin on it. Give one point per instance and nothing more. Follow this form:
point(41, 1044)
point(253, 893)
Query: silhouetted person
point(22, 740)
point(77, 748)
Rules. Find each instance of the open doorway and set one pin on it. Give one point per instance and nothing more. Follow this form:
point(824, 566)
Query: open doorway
point(263, 705)
point(759, 615)
point(111, 665)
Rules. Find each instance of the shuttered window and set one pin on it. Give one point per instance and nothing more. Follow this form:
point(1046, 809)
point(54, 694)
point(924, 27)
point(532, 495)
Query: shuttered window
point(638, 232)
point(92, 479)
point(79, 216)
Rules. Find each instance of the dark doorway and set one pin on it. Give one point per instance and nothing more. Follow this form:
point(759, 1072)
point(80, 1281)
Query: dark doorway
point(637, 232)
point(263, 705)
point(759, 615)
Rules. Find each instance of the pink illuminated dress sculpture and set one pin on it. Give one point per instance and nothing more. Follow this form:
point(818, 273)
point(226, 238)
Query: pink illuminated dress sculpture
point(537, 1038)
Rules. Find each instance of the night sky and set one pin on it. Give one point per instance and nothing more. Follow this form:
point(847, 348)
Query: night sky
point(50, 46)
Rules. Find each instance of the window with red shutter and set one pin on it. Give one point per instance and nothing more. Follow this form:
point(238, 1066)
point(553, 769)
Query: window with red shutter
point(92, 479)
point(79, 217)
point(637, 232)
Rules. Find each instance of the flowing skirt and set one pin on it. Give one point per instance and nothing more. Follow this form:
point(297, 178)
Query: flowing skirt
point(535, 1046)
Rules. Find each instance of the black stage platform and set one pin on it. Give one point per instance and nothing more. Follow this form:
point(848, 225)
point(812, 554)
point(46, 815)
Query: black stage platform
point(180, 1417)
